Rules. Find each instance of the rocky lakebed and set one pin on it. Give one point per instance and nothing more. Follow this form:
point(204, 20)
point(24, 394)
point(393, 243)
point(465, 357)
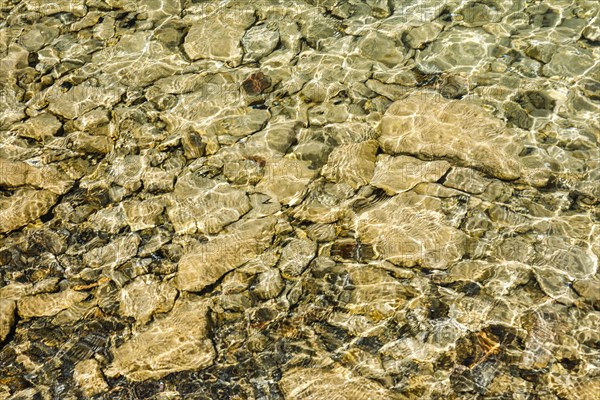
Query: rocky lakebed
point(299, 200)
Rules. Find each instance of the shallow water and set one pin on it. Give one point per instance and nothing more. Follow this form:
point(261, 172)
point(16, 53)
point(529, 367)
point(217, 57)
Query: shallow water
point(332, 199)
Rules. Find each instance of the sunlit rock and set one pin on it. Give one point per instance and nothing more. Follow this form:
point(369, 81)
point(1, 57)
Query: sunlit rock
point(48, 304)
point(113, 254)
point(401, 173)
point(209, 261)
point(427, 125)
point(285, 180)
point(296, 255)
point(40, 127)
point(7, 317)
point(81, 99)
point(23, 207)
point(88, 376)
point(145, 296)
point(143, 214)
point(331, 383)
point(353, 164)
point(205, 205)
point(218, 36)
point(409, 230)
point(175, 342)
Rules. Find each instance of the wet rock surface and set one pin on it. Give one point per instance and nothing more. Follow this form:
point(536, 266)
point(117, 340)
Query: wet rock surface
point(299, 200)
point(177, 342)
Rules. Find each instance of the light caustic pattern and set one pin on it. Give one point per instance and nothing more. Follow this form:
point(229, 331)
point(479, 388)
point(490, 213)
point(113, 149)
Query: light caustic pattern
point(320, 199)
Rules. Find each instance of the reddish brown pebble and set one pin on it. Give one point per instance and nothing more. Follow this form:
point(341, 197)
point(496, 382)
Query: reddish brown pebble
point(256, 83)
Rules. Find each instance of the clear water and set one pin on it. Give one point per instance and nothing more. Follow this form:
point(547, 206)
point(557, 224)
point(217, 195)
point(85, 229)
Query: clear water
point(299, 200)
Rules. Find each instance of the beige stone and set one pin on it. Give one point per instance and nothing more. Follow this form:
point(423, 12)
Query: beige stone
point(88, 376)
point(81, 99)
point(15, 290)
point(296, 255)
point(428, 125)
point(331, 384)
point(23, 207)
point(410, 230)
point(75, 7)
point(218, 37)
point(209, 261)
point(14, 174)
point(588, 289)
point(467, 180)
point(402, 173)
point(376, 293)
point(143, 214)
point(352, 163)
point(176, 342)
point(138, 59)
point(40, 127)
point(285, 180)
point(205, 205)
point(48, 304)
point(146, 296)
point(109, 219)
point(113, 254)
point(7, 317)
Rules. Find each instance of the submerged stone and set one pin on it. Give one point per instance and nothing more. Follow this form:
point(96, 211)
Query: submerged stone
point(40, 127)
point(48, 304)
point(88, 376)
point(208, 262)
point(7, 317)
point(410, 230)
point(296, 256)
point(218, 37)
point(353, 163)
point(259, 41)
point(319, 384)
point(428, 125)
point(175, 342)
point(285, 180)
point(145, 296)
point(23, 207)
point(80, 99)
point(113, 254)
point(205, 205)
point(401, 173)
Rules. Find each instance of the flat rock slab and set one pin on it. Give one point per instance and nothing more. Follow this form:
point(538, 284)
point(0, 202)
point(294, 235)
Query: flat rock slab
point(402, 173)
point(14, 174)
point(143, 214)
point(352, 163)
point(209, 261)
point(205, 205)
point(81, 99)
point(410, 230)
point(48, 304)
point(145, 296)
point(113, 254)
point(76, 7)
point(40, 127)
point(335, 384)
point(138, 59)
point(88, 376)
point(218, 36)
point(428, 125)
point(177, 342)
point(23, 207)
point(285, 180)
point(296, 256)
